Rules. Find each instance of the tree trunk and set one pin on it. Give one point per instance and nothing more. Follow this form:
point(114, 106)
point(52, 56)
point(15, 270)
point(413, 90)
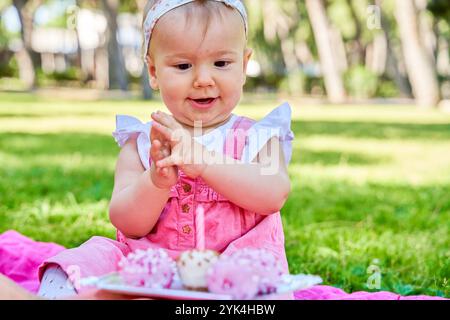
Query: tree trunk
point(147, 92)
point(101, 68)
point(27, 59)
point(359, 47)
point(426, 30)
point(337, 43)
point(292, 66)
point(320, 25)
point(26, 69)
point(392, 63)
point(443, 58)
point(376, 54)
point(117, 72)
point(421, 71)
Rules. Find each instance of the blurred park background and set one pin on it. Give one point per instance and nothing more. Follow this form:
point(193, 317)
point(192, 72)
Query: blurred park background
point(369, 86)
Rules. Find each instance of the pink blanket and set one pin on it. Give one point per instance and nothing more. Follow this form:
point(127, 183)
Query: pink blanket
point(21, 256)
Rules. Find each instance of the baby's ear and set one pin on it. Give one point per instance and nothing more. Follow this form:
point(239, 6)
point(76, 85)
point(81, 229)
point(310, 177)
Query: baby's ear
point(152, 73)
point(247, 55)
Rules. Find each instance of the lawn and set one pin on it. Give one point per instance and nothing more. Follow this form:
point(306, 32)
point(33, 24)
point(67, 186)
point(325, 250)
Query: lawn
point(370, 185)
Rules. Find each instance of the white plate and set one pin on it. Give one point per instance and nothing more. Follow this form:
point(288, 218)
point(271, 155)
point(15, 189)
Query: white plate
point(113, 283)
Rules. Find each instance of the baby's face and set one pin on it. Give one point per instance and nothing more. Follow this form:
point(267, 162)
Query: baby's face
point(200, 76)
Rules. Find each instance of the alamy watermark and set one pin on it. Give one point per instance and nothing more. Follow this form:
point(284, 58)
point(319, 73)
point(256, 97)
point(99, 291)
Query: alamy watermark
point(374, 279)
point(373, 20)
point(72, 16)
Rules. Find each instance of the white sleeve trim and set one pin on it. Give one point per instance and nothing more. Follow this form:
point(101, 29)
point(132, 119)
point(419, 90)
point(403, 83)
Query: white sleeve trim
point(128, 126)
point(276, 124)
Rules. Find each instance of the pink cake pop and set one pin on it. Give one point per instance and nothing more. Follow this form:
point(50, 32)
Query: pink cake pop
point(245, 274)
point(152, 268)
point(228, 277)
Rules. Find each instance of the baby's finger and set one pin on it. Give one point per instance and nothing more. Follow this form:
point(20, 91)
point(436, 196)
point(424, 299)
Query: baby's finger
point(157, 143)
point(157, 153)
point(154, 134)
point(155, 148)
point(166, 132)
point(162, 172)
point(168, 162)
point(166, 120)
point(165, 143)
point(165, 152)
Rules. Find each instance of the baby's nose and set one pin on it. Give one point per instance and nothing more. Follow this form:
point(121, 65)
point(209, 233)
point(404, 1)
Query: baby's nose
point(203, 78)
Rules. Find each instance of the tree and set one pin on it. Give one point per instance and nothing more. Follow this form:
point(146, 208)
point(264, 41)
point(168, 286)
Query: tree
point(147, 93)
point(117, 71)
point(330, 66)
point(27, 59)
point(280, 21)
point(419, 66)
point(441, 12)
point(440, 8)
point(267, 46)
point(393, 58)
point(359, 46)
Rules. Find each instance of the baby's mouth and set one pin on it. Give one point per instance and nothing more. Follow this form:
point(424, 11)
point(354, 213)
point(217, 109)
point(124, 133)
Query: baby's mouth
point(204, 101)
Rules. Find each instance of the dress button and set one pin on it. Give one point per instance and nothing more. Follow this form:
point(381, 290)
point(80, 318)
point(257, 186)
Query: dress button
point(187, 187)
point(185, 208)
point(187, 229)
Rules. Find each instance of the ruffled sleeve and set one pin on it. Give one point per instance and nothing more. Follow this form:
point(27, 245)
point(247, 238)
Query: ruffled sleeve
point(276, 124)
point(128, 126)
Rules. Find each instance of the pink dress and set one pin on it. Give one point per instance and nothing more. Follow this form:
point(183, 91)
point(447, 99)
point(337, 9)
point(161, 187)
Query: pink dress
point(228, 227)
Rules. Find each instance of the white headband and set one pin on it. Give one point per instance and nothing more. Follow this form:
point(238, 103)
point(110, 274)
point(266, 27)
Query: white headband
point(161, 7)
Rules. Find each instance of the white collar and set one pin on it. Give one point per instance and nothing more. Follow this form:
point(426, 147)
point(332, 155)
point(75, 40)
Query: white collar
point(210, 138)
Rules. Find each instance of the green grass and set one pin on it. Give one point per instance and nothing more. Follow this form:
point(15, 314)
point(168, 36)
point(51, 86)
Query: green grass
point(370, 185)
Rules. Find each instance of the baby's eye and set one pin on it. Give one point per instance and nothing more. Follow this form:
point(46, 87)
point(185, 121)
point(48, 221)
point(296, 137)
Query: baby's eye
point(221, 64)
point(183, 66)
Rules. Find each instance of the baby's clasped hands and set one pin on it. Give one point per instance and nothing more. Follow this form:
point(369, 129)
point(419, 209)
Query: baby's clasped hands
point(163, 178)
point(183, 147)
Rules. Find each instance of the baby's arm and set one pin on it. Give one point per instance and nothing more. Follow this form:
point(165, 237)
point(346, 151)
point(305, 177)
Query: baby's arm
point(247, 186)
point(136, 203)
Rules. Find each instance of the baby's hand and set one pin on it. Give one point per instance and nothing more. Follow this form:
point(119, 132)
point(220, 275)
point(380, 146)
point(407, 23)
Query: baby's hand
point(166, 177)
point(182, 146)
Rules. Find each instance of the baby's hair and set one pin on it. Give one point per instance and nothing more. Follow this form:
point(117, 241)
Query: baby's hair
point(208, 9)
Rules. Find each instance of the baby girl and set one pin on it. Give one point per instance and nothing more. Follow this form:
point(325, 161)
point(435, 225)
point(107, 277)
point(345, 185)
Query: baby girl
point(200, 156)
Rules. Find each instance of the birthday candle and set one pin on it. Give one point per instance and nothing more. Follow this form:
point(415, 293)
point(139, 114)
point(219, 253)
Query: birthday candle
point(200, 228)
